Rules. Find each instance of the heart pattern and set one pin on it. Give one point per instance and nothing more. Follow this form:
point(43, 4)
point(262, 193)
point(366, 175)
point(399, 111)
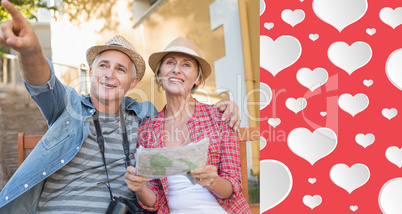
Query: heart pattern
point(389, 192)
point(263, 143)
point(269, 25)
point(312, 201)
point(312, 79)
point(393, 68)
point(371, 31)
point(351, 178)
point(353, 104)
point(277, 178)
point(312, 146)
point(365, 140)
point(279, 54)
point(334, 13)
point(389, 113)
point(274, 122)
point(343, 74)
point(349, 58)
point(262, 7)
point(313, 36)
point(265, 95)
point(312, 180)
point(293, 17)
point(391, 17)
point(354, 208)
point(296, 105)
point(394, 155)
point(368, 83)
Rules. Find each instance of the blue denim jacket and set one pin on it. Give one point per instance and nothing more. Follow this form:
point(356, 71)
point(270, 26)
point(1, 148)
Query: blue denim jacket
point(65, 112)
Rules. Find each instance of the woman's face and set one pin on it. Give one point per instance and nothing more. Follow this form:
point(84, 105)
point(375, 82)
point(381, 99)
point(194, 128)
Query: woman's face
point(178, 73)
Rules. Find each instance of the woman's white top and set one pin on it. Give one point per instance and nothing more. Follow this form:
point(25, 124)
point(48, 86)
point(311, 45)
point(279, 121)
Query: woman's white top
point(185, 197)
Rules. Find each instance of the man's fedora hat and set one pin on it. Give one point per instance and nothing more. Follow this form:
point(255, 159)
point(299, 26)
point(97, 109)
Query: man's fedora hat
point(118, 43)
point(181, 45)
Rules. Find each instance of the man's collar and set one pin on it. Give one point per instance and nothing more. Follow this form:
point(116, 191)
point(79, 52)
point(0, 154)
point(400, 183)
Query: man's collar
point(85, 99)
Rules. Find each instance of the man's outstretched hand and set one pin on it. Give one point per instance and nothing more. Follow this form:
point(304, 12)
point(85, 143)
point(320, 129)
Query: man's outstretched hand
point(18, 34)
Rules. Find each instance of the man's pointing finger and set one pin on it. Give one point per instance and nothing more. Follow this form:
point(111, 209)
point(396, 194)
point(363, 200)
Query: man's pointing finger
point(14, 12)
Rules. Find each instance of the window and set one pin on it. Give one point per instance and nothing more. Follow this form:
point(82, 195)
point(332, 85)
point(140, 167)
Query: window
point(144, 8)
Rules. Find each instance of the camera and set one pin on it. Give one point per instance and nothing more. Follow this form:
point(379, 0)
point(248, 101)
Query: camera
point(121, 205)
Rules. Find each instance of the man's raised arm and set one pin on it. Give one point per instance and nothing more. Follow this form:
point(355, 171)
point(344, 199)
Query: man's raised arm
point(18, 34)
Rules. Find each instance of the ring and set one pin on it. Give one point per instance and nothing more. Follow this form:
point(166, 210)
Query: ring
point(200, 179)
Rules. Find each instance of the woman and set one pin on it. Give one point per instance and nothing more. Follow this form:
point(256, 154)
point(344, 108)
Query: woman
point(180, 70)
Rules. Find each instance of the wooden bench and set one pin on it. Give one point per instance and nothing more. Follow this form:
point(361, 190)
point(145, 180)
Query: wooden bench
point(26, 142)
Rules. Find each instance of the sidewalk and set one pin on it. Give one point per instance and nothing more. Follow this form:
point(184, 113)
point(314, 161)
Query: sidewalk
point(18, 112)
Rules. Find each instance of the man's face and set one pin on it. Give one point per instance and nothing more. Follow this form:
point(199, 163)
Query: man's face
point(111, 77)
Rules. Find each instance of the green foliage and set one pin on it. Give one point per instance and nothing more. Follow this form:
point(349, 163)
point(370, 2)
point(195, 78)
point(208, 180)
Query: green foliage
point(4, 49)
point(28, 8)
point(253, 192)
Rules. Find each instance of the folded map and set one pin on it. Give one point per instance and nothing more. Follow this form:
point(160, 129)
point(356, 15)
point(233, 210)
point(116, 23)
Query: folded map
point(161, 162)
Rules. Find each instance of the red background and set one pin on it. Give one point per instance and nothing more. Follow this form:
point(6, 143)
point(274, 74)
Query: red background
point(382, 94)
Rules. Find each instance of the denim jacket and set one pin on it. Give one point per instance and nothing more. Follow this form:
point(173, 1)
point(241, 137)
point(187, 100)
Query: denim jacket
point(65, 112)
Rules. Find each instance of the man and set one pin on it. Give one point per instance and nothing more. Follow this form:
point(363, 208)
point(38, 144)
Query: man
point(81, 175)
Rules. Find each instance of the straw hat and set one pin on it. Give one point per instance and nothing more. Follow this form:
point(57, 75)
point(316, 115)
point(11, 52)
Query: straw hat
point(118, 43)
point(181, 45)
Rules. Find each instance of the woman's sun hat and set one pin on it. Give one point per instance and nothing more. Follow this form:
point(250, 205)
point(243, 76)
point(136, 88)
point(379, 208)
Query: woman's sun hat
point(181, 45)
point(121, 44)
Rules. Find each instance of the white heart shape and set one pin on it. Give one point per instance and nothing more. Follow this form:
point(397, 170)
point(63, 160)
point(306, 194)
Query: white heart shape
point(263, 143)
point(313, 36)
point(389, 113)
point(296, 105)
point(293, 17)
point(371, 31)
point(275, 183)
point(312, 79)
point(278, 55)
point(262, 7)
point(351, 178)
point(274, 122)
point(269, 25)
point(312, 146)
point(323, 113)
point(354, 207)
point(393, 68)
point(394, 155)
point(349, 58)
point(365, 140)
point(312, 180)
point(265, 95)
point(390, 195)
point(391, 17)
point(353, 104)
point(340, 13)
point(368, 83)
point(312, 201)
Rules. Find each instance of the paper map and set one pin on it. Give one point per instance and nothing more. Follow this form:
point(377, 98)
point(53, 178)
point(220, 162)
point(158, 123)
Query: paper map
point(161, 162)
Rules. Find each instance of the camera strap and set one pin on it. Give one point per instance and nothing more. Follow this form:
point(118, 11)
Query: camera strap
point(101, 143)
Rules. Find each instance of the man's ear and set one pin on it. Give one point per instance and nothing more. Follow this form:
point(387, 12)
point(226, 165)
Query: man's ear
point(134, 82)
